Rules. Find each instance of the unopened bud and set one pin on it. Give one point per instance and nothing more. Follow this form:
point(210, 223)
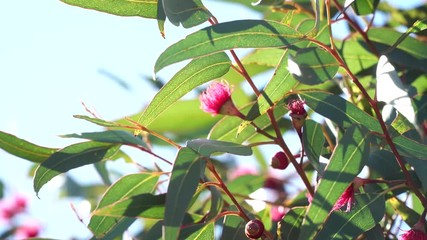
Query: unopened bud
point(254, 229)
point(279, 161)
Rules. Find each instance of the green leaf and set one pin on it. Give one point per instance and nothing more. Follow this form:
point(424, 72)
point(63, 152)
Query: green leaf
point(407, 214)
point(346, 162)
point(355, 55)
point(226, 129)
point(184, 180)
point(126, 187)
point(411, 52)
point(189, 13)
point(368, 210)
point(289, 227)
point(229, 35)
point(280, 84)
point(269, 57)
point(141, 8)
point(246, 184)
point(194, 74)
point(144, 205)
point(111, 136)
point(98, 121)
point(24, 149)
point(234, 228)
point(207, 147)
point(418, 26)
point(345, 113)
point(313, 141)
point(198, 232)
point(71, 157)
point(312, 65)
point(365, 7)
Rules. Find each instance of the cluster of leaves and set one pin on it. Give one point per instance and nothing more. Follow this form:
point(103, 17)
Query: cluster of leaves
point(349, 82)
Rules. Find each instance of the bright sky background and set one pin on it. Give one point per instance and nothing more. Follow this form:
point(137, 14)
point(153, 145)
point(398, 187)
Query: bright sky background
point(51, 55)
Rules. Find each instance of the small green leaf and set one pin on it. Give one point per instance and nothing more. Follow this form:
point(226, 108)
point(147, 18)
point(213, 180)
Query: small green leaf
point(184, 180)
point(141, 8)
point(289, 227)
point(368, 210)
point(312, 65)
point(71, 157)
point(144, 205)
point(24, 149)
point(418, 26)
point(313, 141)
point(207, 147)
point(189, 13)
point(111, 136)
point(229, 35)
point(127, 186)
point(194, 74)
point(346, 162)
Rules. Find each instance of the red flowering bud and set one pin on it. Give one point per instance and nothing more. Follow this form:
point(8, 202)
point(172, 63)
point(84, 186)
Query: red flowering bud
point(279, 161)
point(217, 100)
point(254, 229)
point(297, 113)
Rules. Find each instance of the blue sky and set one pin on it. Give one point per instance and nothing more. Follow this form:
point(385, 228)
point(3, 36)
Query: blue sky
point(51, 55)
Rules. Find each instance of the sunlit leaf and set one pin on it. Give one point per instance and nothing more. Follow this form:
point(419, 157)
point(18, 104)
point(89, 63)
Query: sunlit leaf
point(407, 214)
point(71, 157)
point(124, 188)
point(234, 228)
point(347, 160)
point(207, 147)
point(97, 121)
point(390, 90)
point(246, 184)
point(194, 74)
point(229, 35)
point(24, 149)
point(184, 179)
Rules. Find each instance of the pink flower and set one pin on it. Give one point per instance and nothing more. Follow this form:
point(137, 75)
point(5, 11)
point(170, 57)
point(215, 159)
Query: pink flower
point(217, 100)
point(417, 232)
point(11, 206)
point(414, 234)
point(296, 107)
point(277, 213)
point(298, 114)
point(28, 230)
point(347, 198)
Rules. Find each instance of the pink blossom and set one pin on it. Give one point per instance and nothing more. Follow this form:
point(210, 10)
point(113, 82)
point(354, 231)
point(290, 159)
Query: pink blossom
point(277, 213)
point(347, 198)
point(217, 100)
point(296, 107)
point(11, 206)
point(28, 230)
point(414, 234)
